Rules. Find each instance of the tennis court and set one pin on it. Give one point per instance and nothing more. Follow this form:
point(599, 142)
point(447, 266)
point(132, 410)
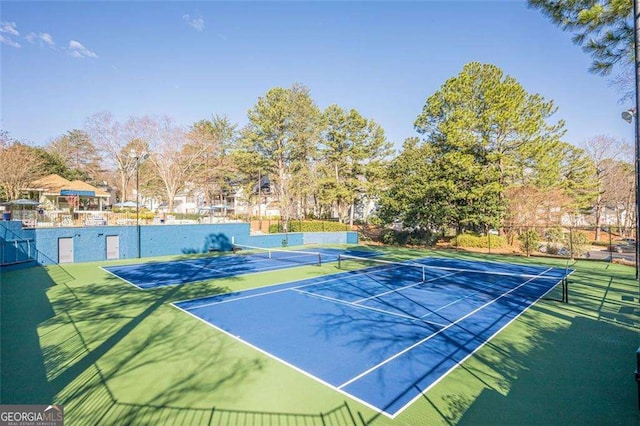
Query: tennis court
point(249, 260)
point(382, 333)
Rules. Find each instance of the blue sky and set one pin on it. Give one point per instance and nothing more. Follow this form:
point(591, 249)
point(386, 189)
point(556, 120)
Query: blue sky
point(64, 61)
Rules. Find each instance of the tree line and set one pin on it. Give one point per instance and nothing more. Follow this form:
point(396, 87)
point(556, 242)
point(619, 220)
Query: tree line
point(486, 154)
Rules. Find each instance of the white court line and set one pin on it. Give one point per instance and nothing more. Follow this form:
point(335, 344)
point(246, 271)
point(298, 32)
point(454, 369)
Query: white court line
point(368, 308)
point(265, 293)
point(298, 369)
point(189, 262)
point(402, 352)
point(120, 278)
point(460, 299)
point(377, 409)
point(401, 288)
point(458, 363)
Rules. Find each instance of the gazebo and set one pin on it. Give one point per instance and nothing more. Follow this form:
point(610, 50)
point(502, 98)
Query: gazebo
point(57, 193)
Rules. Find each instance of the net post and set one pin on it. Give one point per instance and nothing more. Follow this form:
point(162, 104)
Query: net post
point(424, 274)
point(319, 259)
point(339, 261)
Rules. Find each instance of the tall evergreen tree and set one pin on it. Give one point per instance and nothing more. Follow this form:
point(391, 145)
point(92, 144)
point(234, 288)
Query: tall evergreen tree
point(283, 130)
point(485, 133)
point(78, 153)
point(354, 149)
point(214, 167)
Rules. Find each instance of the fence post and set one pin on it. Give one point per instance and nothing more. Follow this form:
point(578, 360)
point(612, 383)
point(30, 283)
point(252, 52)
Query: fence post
point(456, 239)
point(571, 242)
point(610, 247)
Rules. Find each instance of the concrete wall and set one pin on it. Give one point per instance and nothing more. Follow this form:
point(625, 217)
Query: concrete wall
point(276, 240)
point(201, 238)
point(90, 243)
point(330, 238)
point(16, 244)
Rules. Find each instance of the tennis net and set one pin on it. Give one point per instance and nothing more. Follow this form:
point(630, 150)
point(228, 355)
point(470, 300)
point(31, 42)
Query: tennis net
point(294, 256)
point(404, 270)
point(383, 267)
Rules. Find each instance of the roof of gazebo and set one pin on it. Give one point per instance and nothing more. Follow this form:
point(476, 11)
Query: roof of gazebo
point(57, 185)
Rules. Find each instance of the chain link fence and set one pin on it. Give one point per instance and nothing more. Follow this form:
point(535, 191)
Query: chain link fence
point(605, 243)
point(277, 226)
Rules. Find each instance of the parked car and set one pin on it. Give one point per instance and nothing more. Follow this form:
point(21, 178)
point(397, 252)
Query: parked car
point(553, 249)
point(623, 246)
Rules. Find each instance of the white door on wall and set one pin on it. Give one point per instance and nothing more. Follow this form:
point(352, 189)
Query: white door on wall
point(65, 250)
point(113, 247)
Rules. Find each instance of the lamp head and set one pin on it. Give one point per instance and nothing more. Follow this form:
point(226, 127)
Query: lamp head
point(628, 115)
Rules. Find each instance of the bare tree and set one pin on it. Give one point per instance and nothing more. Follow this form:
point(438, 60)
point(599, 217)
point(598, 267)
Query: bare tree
point(19, 166)
point(115, 141)
point(619, 193)
point(175, 162)
point(604, 151)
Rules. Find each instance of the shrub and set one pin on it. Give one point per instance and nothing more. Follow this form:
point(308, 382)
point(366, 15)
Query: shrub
point(579, 243)
point(477, 241)
point(413, 238)
point(554, 235)
point(309, 226)
point(529, 240)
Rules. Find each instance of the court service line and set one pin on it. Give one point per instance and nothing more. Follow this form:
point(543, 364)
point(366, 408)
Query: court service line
point(420, 342)
point(266, 293)
point(368, 308)
point(401, 288)
point(460, 299)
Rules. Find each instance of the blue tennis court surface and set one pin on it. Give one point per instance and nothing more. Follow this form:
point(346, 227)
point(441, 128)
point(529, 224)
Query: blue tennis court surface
point(382, 334)
point(160, 274)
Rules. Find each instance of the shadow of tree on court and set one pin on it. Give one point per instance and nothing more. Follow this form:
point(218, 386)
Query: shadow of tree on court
point(384, 335)
point(156, 348)
point(563, 373)
point(214, 242)
point(95, 335)
point(577, 379)
point(24, 305)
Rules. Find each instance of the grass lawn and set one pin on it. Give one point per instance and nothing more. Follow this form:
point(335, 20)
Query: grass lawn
point(114, 354)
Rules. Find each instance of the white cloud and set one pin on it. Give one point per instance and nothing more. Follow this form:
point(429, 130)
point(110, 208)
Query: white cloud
point(7, 31)
point(42, 38)
point(47, 38)
point(197, 23)
point(9, 28)
point(8, 41)
point(77, 50)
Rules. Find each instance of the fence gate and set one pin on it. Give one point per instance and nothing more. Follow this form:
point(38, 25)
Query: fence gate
point(113, 247)
point(65, 250)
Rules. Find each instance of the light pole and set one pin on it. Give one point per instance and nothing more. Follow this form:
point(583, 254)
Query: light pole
point(636, 51)
point(138, 158)
point(628, 116)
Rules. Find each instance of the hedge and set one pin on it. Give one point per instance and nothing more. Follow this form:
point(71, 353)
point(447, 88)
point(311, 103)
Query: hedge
point(309, 226)
point(475, 241)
